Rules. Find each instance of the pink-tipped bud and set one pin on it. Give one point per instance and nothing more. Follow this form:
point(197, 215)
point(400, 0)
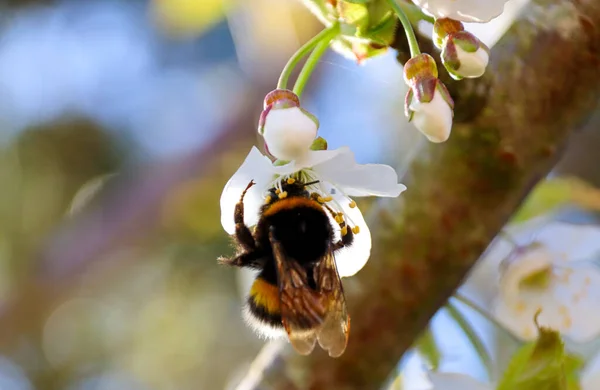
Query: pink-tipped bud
point(418, 67)
point(288, 130)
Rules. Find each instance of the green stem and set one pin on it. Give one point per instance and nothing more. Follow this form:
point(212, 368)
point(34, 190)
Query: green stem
point(310, 65)
point(325, 35)
point(509, 238)
point(482, 312)
point(428, 348)
point(415, 14)
point(408, 30)
point(474, 339)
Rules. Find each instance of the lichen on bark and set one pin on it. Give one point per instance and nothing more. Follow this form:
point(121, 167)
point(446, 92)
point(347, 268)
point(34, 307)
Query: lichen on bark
point(541, 84)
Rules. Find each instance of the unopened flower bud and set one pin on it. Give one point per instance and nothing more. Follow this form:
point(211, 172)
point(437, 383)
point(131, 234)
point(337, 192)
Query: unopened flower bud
point(464, 55)
point(281, 98)
point(442, 28)
point(429, 106)
point(420, 66)
point(288, 130)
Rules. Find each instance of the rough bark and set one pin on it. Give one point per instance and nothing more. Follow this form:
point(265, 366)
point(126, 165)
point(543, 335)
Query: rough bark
point(543, 81)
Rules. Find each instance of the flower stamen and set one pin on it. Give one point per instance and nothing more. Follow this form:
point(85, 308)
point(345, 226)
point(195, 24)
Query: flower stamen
point(344, 230)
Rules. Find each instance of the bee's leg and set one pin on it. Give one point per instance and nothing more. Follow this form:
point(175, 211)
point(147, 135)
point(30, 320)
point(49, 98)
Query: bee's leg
point(247, 259)
point(242, 232)
point(346, 232)
point(347, 237)
point(318, 198)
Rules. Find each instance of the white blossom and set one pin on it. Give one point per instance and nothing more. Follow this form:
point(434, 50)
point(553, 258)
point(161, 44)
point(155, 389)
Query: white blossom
point(549, 270)
point(454, 381)
point(339, 176)
point(464, 10)
point(590, 380)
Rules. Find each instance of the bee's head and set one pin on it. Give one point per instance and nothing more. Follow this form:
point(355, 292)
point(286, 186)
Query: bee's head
point(291, 188)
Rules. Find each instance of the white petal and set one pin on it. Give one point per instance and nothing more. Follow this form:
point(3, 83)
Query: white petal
point(433, 119)
point(350, 260)
point(452, 381)
point(312, 158)
point(256, 167)
point(359, 179)
point(289, 133)
point(463, 10)
point(568, 241)
point(569, 305)
point(472, 64)
point(590, 378)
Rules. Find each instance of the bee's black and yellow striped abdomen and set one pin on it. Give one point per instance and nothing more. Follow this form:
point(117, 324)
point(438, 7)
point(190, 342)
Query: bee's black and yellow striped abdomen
point(263, 307)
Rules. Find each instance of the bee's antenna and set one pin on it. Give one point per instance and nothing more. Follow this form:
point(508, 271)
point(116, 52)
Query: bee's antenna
point(311, 183)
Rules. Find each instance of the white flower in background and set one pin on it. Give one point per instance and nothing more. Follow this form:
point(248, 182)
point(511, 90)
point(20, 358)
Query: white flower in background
point(453, 381)
point(479, 11)
point(428, 104)
point(416, 375)
point(339, 176)
point(420, 378)
point(590, 377)
point(552, 273)
point(288, 129)
point(463, 54)
point(590, 380)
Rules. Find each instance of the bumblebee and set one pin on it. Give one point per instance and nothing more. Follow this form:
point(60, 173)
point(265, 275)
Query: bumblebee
point(298, 289)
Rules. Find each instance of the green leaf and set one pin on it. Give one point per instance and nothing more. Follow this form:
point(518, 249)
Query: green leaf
point(541, 365)
point(354, 14)
point(428, 349)
point(380, 10)
point(573, 366)
point(554, 193)
point(545, 197)
point(189, 18)
point(383, 32)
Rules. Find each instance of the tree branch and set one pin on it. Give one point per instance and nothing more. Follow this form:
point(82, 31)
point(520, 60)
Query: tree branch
point(541, 84)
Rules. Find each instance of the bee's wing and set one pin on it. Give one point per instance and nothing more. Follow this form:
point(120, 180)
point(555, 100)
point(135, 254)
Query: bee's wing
point(333, 334)
point(302, 308)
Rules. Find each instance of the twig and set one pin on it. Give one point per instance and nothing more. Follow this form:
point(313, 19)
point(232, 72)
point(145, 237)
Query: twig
point(261, 363)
